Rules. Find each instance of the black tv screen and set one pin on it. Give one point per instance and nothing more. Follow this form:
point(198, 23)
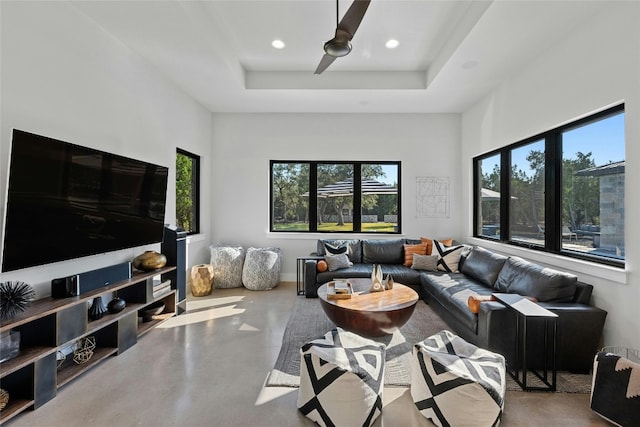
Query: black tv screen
point(66, 201)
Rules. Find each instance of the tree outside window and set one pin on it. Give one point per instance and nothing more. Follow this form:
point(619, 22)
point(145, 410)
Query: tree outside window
point(188, 191)
point(565, 193)
point(335, 196)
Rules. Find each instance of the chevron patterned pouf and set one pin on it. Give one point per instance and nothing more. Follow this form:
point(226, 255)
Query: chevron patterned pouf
point(341, 379)
point(615, 394)
point(454, 383)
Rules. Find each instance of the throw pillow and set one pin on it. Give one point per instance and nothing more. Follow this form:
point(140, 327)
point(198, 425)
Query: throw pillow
point(425, 262)
point(429, 243)
point(448, 256)
point(409, 250)
point(333, 249)
point(337, 262)
point(322, 266)
point(474, 302)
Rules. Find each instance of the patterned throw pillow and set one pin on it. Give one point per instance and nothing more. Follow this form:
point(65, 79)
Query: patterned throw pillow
point(409, 250)
point(425, 262)
point(337, 262)
point(429, 243)
point(448, 256)
point(335, 249)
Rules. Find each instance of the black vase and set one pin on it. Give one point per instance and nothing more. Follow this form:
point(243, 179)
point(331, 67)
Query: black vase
point(97, 309)
point(116, 305)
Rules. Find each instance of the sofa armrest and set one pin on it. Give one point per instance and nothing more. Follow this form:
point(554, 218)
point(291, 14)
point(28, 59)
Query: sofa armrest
point(310, 285)
point(579, 334)
point(578, 338)
point(497, 328)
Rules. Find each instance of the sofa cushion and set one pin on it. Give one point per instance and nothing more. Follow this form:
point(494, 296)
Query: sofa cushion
point(429, 243)
point(338, 262)
point(526, 278)
point(355, 271)
point(402, 274)
point(399, 272)
point(452, 290)
point(354, 248)
point(483, 265)
point(425, 262)
point(383, 251)
point(410, 250)
point(335, 249)
point(448, 256)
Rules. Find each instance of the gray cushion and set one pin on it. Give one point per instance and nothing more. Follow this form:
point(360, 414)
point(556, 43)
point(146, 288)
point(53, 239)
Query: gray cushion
point(425, 262)
point(483, 265)
point(354, 248)
point(383, 251)
point(337, 262)
point(525, 278)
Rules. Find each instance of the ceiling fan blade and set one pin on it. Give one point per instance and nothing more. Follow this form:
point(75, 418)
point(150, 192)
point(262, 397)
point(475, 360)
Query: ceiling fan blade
point(352, 19)
point(324, 63)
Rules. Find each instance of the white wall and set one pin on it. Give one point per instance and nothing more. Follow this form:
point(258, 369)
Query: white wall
point(596, 66)
point(243, 145)
point(63, 77)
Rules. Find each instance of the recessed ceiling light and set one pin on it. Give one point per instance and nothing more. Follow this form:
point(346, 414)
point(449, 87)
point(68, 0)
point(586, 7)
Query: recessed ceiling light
point(278, 44)
point(392, 44)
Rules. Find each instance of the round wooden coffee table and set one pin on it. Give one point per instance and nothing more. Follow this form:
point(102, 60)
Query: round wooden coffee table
point(371, 314)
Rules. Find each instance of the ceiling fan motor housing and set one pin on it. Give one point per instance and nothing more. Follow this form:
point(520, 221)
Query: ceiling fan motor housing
point(337, 48)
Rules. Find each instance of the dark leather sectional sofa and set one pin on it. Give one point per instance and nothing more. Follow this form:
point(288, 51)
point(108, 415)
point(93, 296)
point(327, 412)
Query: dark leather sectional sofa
point(363, 254)
point(482, 272)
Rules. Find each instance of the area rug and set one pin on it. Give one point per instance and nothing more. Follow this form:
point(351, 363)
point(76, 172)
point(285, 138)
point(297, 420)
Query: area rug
point(308, 321)
point(566, 382)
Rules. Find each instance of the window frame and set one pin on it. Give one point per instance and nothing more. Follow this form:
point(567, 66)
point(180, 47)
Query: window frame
point(195, 184)
point(357, 195)
point(553, 190)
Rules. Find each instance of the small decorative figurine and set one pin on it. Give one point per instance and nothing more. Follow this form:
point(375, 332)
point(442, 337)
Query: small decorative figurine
point(388, 283)
point(376, 279)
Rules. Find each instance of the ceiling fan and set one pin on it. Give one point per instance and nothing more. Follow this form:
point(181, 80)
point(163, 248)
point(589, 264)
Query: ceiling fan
point(340, 45)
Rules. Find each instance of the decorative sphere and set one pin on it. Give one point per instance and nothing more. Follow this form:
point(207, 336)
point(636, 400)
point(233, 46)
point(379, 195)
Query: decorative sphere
point(322, 265)
point(149, 261)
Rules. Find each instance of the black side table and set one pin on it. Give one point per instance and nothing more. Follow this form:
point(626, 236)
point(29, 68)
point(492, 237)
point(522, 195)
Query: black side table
point(300, 271)
point(527, 310)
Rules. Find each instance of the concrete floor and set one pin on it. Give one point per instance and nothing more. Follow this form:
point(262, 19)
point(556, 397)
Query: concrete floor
point(207, 367)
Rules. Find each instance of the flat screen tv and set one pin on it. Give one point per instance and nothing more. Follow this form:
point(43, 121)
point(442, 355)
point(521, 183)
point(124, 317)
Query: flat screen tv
point(66, 201)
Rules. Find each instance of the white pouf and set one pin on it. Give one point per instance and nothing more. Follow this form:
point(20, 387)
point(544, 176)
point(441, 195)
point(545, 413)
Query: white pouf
point(456, 383)
point(261, 269)
point(227, 262)
point(341, 379)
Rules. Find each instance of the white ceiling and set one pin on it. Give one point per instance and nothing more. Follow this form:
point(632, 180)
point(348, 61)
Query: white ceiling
point(451, 53)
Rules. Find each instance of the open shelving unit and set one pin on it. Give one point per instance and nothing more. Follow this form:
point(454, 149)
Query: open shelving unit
point(49, 326)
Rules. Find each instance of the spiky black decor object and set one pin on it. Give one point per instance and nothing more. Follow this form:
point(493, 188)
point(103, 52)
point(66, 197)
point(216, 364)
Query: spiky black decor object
point(15, 297)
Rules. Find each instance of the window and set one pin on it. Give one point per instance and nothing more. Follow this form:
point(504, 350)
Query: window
point(489, 200)
point(188, 191)
point(335, 197)
point(526, 189)
point(560, 192)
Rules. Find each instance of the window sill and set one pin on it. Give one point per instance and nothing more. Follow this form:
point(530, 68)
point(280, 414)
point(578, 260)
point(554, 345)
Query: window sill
point(581, 268)
point(316, 236)
point(193, 238)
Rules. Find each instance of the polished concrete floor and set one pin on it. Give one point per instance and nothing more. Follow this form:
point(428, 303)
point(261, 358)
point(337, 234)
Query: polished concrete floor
point(207, 367)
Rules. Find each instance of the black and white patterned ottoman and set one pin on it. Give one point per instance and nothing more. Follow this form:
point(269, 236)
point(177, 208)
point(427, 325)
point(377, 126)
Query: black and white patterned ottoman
point(615, 392)
point(454, 383)
point(341, 379)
